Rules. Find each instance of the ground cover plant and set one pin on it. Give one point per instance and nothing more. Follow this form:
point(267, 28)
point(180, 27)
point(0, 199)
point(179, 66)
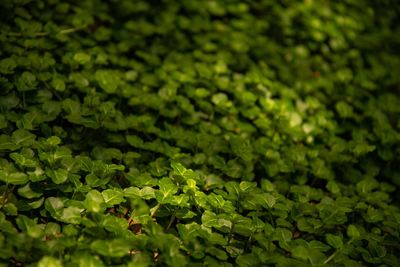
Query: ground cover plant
point(199, 133)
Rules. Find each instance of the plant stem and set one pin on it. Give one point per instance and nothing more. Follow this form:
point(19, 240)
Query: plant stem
point(6, 195)
point(171, 221)
point(231, 233)
point(154, 210)
point(331, 257)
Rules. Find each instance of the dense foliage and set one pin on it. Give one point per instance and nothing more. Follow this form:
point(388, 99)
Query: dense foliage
point(199, 133)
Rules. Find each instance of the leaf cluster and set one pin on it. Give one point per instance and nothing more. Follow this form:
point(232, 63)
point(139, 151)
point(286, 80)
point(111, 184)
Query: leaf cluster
point(199, 133)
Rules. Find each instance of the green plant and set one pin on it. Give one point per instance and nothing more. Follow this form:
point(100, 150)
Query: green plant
point(192, 133)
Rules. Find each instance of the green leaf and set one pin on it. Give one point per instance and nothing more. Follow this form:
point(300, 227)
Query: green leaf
point(71, 215)
point(247, 260)
point(316, 257)
point(167, 189)
point(48, 261)
point(112, 197)
point(26, 82)
point(183, 172)
point(267, 185)
point(344, 109)
point(30, 205)
point(3, 122)
point(318, 245)
point(333, 187)
point(218, 253)
point(79, 79)
point(82, 58)
point(72, 107)
point(147, 193)
point(181, 200)
point(7, 65)
point(373, 215)
point(27, 192)
point(23, 160)
point(247, 186)
point(23, 138)
point(140, 260)
point(209, 219)
point(107, 154)
point(363, 148)
point(115, 248)
point(188, 231)
point(144, 193)
point(86, 260)
point(376, 249)
point(242, 148)
point(58, 84)
point(107, 80)
point(269, 199)
point(9, 102)
point(217, 239)
point(353, 232)
point(85, 163)
point(243, 226)
point(135, 141)
point(29, 226)
point(332, 213)
point(115, 224)
point(233, 168)
point(367, 185)
point(216, 201)
point(283, 236)
point(94, 201)
point(10, 209)
point(233, 190)
point(6, 143)
point(300, 252)
point(58, 176)
point(16, 178)
point(220, 99)
point(54, 206)
point(53, 140)
point(334, 241)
